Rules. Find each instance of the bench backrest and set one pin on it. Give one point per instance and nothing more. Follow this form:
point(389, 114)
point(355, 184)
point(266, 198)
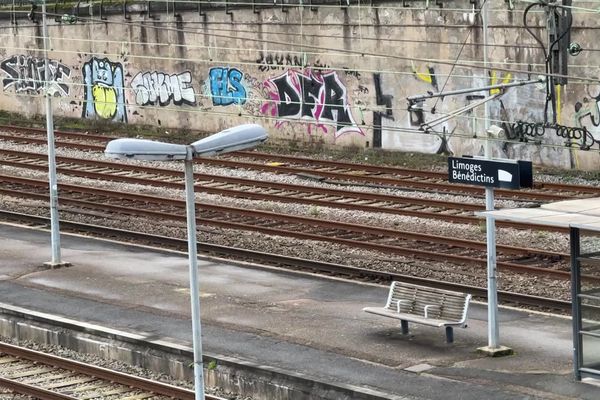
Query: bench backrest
point(453, 306)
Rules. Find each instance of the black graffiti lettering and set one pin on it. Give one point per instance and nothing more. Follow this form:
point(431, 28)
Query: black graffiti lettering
point(27, 74)
point(289, 101)
point(336, 108)
point(310, 95)
point(381, 100)
point(277, 61)
point(433, 78)
point(262, 63)
point(351, 72)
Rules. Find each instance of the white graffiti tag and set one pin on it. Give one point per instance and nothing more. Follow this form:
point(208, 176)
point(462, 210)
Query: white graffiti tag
point(153, 88)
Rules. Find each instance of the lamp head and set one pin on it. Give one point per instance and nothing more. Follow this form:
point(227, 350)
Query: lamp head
point(233, 139)
point(141, 149)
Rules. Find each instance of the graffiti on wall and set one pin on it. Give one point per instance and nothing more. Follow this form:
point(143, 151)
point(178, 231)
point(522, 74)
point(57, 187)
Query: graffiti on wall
point(495, 80)
point(277, 61)
point(427, 77)
point(26, 74)
point(226, 86)
point(104, 94)
point(280, 61)
point(587, 111)
point(158, 88)
point(312, 96)
point(383, 101)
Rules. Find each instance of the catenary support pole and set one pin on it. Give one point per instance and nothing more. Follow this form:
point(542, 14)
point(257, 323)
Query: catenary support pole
point(190, 199)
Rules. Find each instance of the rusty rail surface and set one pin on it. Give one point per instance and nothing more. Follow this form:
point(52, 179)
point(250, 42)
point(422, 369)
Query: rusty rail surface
point(440, 248)
point(53, 362)
point(269, 191)
point(334, 170)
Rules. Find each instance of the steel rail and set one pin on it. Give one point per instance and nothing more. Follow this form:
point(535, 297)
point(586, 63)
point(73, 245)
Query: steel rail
point(375, 169)
point(353, 176)
point(144, 198)
point(103, 170)
point(401, 171)
point(223, 219)
point(371, 180)
point(95, 371)
point(363, 196)
point(208, 249)
point(33, 391)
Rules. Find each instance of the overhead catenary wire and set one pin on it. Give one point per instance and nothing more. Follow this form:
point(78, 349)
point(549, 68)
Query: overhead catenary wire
point(320, 52)
point(472, 64)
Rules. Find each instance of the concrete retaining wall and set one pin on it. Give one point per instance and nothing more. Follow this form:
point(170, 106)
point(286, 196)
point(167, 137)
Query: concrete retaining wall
point(329, 75)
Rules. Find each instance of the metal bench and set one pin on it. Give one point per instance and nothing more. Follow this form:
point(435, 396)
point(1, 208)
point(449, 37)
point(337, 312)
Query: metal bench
point(425, 305)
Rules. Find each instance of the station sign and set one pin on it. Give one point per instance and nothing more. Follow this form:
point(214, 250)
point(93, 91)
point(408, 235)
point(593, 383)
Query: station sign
point(490, 172)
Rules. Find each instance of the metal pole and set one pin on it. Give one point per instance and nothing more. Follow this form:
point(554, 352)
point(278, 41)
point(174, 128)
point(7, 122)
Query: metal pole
point(54, 224)
point(190, 200)
point(472, 90)
point(575, 240)
point(489, 206)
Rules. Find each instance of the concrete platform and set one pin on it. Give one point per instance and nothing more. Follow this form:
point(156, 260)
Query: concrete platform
point(294, 322)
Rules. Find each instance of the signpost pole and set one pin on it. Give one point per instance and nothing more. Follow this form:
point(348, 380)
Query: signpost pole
point(493, 348)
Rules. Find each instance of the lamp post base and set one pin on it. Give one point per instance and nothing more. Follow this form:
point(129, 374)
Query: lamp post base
point(499, 351)
point(53, 265)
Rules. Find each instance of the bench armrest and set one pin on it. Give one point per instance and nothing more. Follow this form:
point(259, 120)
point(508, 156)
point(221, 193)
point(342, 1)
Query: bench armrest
point(426, 309)
point(400, 302)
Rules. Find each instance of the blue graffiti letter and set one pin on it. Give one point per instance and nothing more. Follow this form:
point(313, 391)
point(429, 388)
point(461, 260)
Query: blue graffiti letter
point(226, 86)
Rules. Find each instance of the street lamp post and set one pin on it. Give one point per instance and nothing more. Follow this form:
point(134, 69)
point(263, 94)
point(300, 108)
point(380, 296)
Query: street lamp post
point(54, 222)
point(237, 138)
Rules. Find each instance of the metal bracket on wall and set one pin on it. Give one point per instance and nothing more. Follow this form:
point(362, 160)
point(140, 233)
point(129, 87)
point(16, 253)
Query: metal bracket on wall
point(227, 10)
point(57, 18)
point(102, 17)
point(254, 9)
point(344, 3)
point(149, 11)
point(200, 12)
point(175, 13)
point(439, 3)
point(13, 15)
point(312, 8)
point(283, 9)
point(32, 14)
point(125, 13)
point(77, 13)
point(404, 3)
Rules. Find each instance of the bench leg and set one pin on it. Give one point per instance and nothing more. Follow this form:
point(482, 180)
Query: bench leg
point(404, 326)
point(449, 334)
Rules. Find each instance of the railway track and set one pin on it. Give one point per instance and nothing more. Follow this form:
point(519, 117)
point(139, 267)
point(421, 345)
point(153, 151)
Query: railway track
point(457, 212)
point(322, 169)
point(353, 235)
point(390, 241)
point(263, 258)
point(48, 377)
